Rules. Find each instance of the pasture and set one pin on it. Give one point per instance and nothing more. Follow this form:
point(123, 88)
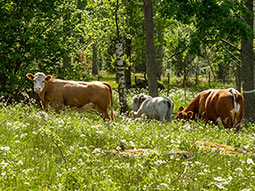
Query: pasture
point(80, 151)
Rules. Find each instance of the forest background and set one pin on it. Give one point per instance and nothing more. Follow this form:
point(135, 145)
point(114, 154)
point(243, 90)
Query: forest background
point(77, 39)
point(192, 41)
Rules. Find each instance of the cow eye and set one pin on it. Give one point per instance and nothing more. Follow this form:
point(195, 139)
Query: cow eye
point(43, 81)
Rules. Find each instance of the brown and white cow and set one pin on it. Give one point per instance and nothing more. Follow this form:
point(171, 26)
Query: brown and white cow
point(221, 106)
point(84, 95)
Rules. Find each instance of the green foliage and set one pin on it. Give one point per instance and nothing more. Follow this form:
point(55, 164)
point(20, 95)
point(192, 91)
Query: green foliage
point(66, 151)
point(212, 20)
point(33, 37)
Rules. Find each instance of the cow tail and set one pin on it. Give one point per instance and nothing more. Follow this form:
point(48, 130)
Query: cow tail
point(234, 104)
point(233, 97)
point(110, 87)
point(170, 109)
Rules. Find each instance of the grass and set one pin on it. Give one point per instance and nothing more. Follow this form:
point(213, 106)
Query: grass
point(70, 151)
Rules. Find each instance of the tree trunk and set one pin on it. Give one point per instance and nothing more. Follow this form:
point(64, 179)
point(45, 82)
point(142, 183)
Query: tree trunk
point(150, 48)
point(66, 61)
point(3, 82)
point(248, 71)
point(238, 77)
point(159, 56)
point(209, 80)
point(120, 76)
point(197, 74)
point(128, 70)
point(94, 63)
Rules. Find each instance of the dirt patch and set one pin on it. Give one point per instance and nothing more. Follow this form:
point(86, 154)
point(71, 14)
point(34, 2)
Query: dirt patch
point(220, 148)
point(142, 153)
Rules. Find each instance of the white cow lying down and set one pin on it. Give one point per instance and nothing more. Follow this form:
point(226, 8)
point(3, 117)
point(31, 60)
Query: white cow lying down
point(160, 108)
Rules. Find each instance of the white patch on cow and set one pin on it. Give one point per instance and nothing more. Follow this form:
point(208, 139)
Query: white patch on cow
point(39, 82)
point(225, 120)
point(237, 108)
point(219, 121)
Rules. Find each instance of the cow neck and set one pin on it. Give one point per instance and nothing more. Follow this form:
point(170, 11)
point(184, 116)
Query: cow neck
point(191, 107)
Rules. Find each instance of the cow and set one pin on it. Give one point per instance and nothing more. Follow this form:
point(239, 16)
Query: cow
point(79, 94)
point(159, 108)
point(221, 106)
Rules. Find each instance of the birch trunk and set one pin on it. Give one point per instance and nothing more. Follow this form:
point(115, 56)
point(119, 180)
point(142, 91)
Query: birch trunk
point(120, 76)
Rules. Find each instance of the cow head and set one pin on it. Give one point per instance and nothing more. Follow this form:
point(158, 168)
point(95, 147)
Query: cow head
point(39, 80)
point(137, 100)
point(183, 114)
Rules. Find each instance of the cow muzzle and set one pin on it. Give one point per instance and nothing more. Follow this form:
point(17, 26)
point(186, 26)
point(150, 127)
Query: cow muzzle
point(37, 90)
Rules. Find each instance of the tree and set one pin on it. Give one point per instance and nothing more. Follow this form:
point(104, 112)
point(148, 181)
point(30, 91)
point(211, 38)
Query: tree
point(120, 76)
point(31, 39)
point(247, 56)
point(94, 63)
point(150, 48)
point(212, 23)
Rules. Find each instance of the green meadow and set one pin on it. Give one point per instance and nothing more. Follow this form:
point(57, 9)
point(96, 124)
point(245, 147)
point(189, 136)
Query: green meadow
point(79, 151)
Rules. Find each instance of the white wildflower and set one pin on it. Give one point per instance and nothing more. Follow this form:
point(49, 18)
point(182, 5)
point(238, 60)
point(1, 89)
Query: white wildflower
point(239, 169)
point(250, 161)
point(96, 126)
point(97, 150)
point(118, 148)
point(167, 137)
point(23, 135)
point(4, 164)
point(131, 143)
point(158, 162)
point(100, 132)
point(20, 162)
point(5, 148)
point(59, 174)
point(164, 184)
point(219, 179)
point(71, 148)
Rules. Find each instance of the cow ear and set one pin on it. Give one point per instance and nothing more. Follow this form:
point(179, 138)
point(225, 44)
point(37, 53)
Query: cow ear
point(181, 108)
point(47, 78)
point(190, 114)
point(30, 76)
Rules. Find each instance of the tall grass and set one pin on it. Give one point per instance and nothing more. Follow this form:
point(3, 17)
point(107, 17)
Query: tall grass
point(71, 151)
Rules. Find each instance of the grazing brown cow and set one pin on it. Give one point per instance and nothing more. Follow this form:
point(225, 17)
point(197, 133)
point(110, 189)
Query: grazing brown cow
point(84, 95)
point(221, 106)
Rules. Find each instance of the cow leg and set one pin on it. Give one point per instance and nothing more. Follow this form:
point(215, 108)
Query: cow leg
point(104, 112)
point(57, 105)
point(226, 119)
point(227, 122)
point(163, 119)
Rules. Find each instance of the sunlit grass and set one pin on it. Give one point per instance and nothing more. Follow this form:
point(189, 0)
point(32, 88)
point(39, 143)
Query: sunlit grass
point(65, 151)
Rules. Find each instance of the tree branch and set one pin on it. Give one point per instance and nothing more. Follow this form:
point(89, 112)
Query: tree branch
point(228, 43)
point(231, 45)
